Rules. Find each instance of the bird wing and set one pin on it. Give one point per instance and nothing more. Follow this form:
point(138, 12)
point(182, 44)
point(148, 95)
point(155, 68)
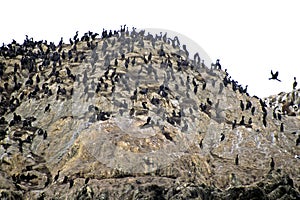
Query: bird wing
point(276, 74)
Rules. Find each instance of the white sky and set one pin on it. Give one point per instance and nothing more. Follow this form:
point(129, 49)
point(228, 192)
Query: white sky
point(249, 38)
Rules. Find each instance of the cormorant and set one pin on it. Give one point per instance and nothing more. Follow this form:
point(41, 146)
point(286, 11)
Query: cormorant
point(272, 164)
point(252, 110)
point(250, 121)
point(65, 180)
point(71, 182)
point(265, 122)
point(233, 124)
point(242, 105)
point(237, 159)
point(242, 122)
point(209, 101)
point(47, 108)
point(86, 181)
point(248, 105)
point(222, 137)
point(295, 83)
point(281, 127)
point(218, 64)
point(144, 105)
point(274, 76)
point(204, 86)
point(56, 176)
point(131, 112)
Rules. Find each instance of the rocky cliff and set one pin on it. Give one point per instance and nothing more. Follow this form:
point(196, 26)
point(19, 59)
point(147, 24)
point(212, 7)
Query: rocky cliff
point(131, 115)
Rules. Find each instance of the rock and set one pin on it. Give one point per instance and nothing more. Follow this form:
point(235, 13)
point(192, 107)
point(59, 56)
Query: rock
point(126, 122)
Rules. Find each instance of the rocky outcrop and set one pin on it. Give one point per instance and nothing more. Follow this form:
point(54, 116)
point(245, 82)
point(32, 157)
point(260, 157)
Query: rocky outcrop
point(130, 116)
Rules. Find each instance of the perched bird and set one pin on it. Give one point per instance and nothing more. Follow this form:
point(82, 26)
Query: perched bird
point(222, 137)
point(47, 108)
point(86, 181)
point(209, 101)
point(56, 176)
point(295, 83)
point(233, 124)
point(242, 105)
point(264, 122)
point(237, 159)
point(131, 112)
point(252, 110)
point(71, 182)
point(242, 122)
point(248, 105)
point(144, 105)
point(65, 180)
point(298, 141)
point(250, 121)
point(272, 164)
point(281, 127)
point(204, 86)
point(274, 76)
point(218, 65)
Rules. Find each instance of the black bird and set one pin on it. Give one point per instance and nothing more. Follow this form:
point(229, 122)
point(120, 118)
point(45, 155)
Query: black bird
point(242, 105)
point(40, 131)
point(233, 124)
point(272, 164)
point(148, 120)
point(237, 159)
point(218, 65)
point(45, 135)
point(248, 105)
point(265, 122)
point(252, 110)
point(149, 56)
point(274, 114)
point(47, 108)
point(56, 176)
point(250, 121)
point(144, 91)
point(279, 116)
point(222, 137)
point(204, 86)
point(71, 182)
point(86, 181)
point(298, 141)
point(274, 76)
point(196, 89)
point(17, 118)
point(209, 101)
point(155, 101)
point(37, 79)
point(133, 61)
point(295, 83)
point(281, 127)
point(65, 180)
point(242, 122)
point(144, 105)
point(131, 112)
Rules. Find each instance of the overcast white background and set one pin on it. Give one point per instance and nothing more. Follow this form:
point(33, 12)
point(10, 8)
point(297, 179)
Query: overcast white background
point(249, 37)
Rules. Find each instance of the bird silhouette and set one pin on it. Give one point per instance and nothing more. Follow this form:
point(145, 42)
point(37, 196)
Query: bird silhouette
point(295, 83)
point(274, 76)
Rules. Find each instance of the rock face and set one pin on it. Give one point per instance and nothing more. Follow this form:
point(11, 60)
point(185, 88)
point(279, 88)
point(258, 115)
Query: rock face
point(129, 115)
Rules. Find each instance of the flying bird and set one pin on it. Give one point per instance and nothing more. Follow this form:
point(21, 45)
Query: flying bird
point(274, 76)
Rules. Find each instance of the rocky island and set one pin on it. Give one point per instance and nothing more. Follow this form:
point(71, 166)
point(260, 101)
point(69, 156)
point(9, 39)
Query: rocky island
point(131, 115)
